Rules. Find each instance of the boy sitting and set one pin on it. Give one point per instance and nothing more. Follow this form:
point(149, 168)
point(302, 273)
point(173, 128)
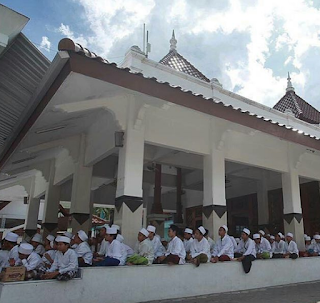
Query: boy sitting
point(83, 249)
point(200, 248)
point(36, 242)
point(30, 260)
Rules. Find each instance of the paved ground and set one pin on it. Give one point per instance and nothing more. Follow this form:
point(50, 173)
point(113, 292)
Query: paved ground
point(294, 293)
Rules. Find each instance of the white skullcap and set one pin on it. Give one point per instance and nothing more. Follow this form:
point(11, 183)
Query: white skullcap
point(50, 238)
point(256, 236)
point(307, 238)
point(105, 226)
point(144, 232)
point(202, 230)
point(246, 231)
point(290, 235)
point(82, 235)
point(68, 234)
point(225, 228)
point(25, 248)
point(117, 227)
point(262, 232)
point(120, 238)
point(188, 231)
point(280, 235)
point(151, 229)
point(37, 238)
point(316, 237)
point(11, 237)
point(268, 235)
point(111, 231)
point(63, 239)
point(272, 237)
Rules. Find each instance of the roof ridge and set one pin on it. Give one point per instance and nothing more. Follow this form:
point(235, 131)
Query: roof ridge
point(292, 93)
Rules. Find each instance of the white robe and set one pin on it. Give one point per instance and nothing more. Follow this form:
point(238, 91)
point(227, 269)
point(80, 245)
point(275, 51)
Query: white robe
point(224, 246)
point(264, 246)
point(292, 248)
point(176, 247)
point(40, 250)
point(32, 262)
point(246, 248)
point(14, 254)
point(65, 262)
point(117, 251)
point(187, 244)
point(4, 259)
point(51, 253)
point(200, 247)
point(103, 248)
point(234, 242)
point(316, 247)
point(278, 248)
point(158, 248)
point(145, 249)
point(83, 251)
point(212, 244)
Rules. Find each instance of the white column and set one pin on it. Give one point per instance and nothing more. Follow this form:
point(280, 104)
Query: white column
point(81, 205)
point(31, 221)
point(293, 221)
point(263, 206)
point(51, 204)
point(129, 197)
point(214, 202)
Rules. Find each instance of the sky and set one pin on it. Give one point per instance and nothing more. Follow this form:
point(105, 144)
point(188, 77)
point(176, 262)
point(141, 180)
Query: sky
point(248, 45)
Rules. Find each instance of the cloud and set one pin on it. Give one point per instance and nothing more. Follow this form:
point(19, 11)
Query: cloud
point(45, 44)
point(248, 45)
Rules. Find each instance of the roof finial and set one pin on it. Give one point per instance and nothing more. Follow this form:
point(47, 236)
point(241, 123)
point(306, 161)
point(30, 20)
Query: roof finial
point(173, 42)
point(290, 88)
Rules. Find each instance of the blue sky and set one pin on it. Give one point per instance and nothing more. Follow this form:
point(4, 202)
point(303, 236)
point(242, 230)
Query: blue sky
point(249, 45)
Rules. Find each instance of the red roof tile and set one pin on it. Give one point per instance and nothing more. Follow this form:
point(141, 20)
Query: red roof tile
point(174, 60)
point(300, 108)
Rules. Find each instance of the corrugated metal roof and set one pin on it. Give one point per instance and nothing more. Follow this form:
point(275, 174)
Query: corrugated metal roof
point(22, 66)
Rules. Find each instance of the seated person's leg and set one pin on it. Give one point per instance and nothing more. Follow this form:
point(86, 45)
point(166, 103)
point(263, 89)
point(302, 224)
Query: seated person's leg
point(237, 255)
point(172, 259)
point(277, 256)
point(224, 258)
point(293, 256)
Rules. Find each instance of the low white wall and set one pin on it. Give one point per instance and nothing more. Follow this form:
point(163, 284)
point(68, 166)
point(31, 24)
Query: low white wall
point(138, 284)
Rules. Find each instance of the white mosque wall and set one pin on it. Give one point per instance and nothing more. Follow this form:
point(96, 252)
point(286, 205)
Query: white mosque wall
point(130, 284)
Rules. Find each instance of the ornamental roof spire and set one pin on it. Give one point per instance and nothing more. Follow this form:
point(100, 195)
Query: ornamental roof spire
point(173, 42)
point(289, 84)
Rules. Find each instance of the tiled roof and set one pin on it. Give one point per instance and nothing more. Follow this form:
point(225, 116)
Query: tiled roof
point(67, 44)
point(174, 60)
point(299, 107)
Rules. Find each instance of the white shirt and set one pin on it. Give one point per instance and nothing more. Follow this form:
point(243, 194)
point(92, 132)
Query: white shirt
point(145, 249)
point(176, 247)
point(278, 248)
point(117, 251)
point(14, 254)
point(211, 244)
point(128, 249)
point(292, 248)
point(224, 246)
point(103, 248)
point(246, 248)
point(158, 248)
point(187, 244)
point(264, 246)
point(235, 244)
point(4, 259)
point(200, 247)
point(65, 262)
point(83, 251)
point(32, 262)
point(316, 247)
point(51, 253)
point(40, 249)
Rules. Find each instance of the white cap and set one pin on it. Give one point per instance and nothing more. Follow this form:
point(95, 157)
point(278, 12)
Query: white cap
point(280, 235)
point(188, 231)
point(120, 238)
point(25, 248)
point(50, 238)
point(117, 227)
point(68, 234)
point(307, 238)
point(202, 230)
point(63, 239)
point(256, 236)
point(290, 235)
point(262, 232)
point(111, 231)
point(316, 237)
point(37, 238)
point(105, 226)
point(82, 235)
point(272, 237)
point(11, 237)
point(268, 235)
point(151, 229)
point(144, 232)
point(246, 231)
point(225, 228)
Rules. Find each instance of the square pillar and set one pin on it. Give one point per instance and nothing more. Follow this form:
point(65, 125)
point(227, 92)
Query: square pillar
point(263, 205)
point(81, 205)
point(51, 204)
point(129, 197)
point(214, 192)
point(292, 210)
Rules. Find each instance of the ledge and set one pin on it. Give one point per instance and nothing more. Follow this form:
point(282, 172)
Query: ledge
point(132, 284)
